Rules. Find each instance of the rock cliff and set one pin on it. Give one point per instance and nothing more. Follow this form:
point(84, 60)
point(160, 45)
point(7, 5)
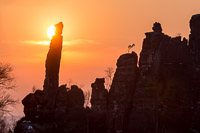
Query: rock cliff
point(161, 100)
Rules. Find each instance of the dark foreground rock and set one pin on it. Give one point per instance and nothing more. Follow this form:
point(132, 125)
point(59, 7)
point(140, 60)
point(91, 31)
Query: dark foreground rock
point(97, 116)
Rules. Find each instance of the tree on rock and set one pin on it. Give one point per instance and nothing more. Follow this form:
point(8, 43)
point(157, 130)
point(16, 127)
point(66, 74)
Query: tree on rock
point(130, 47)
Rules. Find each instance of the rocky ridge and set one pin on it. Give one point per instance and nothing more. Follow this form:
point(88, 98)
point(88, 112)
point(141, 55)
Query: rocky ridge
point(160, 95)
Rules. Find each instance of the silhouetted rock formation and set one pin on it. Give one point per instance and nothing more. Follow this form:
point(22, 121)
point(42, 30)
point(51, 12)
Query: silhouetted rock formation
point(53, 65)
point(157, 27)
point(55, 109)
point(194, 44)
point(67, 115)
point(161, 96)
point(99, 96)
point(75, 97)
point(99, 106)
point(33, 102)
point(119, 98)
point(74, 118)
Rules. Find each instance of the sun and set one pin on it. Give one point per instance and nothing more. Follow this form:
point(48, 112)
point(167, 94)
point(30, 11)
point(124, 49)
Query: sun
point(51, 31)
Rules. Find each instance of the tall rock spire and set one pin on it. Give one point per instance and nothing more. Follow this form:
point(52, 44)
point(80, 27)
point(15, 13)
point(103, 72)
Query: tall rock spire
point(53, 65)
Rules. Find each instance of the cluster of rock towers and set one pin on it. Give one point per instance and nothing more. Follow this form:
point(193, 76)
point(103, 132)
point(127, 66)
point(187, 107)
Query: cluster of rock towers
point(160, 95)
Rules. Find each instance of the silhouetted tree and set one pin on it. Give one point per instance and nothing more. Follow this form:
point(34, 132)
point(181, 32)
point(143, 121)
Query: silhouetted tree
point(69, 82)
point(109, 77)
point(130, 47)
point(87, 95)
point(6, 83)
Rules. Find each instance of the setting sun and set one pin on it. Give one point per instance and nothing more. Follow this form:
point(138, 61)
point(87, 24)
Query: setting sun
point(51, 31)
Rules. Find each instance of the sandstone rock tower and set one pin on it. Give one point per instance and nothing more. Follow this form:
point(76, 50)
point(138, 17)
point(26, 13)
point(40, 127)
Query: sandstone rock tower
point(122, 88)
point(162, 98)
point(53, 65)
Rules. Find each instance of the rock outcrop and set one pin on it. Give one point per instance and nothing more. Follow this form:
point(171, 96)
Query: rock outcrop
point(33, 103)
point(162, 96)
point(68, 115)
point(75, 97)
point(99, 96)
point(122, 88)
point(75, 116)
point(98, 112)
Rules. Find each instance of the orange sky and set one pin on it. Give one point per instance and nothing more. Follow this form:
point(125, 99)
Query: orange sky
point(96, 33)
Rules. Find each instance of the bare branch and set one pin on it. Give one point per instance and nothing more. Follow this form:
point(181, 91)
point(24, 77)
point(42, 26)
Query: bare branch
point(6, 78)
point(130, 47)
point(109, 77)
point(6, 100)
point(6, 82)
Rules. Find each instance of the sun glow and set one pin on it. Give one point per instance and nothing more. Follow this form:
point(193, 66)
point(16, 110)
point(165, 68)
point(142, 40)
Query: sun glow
point(51, 31)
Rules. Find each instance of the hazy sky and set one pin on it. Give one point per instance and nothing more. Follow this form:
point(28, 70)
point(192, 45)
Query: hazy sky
point(96, 33)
